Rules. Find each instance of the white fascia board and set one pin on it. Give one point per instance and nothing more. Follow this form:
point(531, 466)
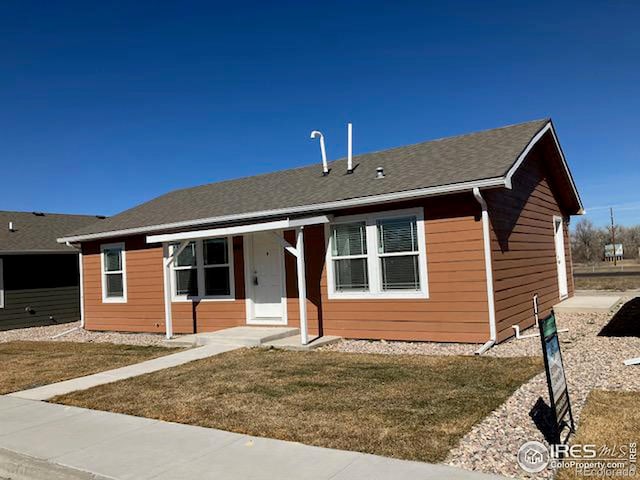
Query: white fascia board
point(238, 230)
point(339, 204)
point(514, 168)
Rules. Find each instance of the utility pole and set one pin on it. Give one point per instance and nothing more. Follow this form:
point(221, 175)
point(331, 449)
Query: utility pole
point(613, 238)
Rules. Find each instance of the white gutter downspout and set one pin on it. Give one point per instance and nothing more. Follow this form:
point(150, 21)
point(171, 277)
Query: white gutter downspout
point(81, 279)
point(489, 274)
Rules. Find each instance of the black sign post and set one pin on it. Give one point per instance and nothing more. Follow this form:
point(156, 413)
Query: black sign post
point(556, 380)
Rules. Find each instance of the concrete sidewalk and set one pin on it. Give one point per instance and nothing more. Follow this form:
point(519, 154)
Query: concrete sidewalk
point(44, 441)
point(82, 383)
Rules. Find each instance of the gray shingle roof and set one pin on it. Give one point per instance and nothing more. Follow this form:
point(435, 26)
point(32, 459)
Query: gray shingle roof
point(38, 232)
point(476, 156)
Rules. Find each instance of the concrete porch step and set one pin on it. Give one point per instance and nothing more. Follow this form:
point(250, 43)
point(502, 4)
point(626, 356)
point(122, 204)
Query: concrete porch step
point(246, 336)
point(587, 304)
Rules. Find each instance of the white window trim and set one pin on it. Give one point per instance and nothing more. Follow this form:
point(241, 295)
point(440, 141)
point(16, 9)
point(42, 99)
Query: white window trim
point(373, 259)
point(1, 284)
point(103, 273)
point(200, 267)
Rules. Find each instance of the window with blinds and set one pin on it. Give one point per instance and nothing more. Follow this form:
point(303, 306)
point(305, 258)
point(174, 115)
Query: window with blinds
point(398, 254)
point(349, 244)
point(379, 254)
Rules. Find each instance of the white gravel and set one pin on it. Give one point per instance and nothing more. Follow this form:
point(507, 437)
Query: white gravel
point(80, 335)
point(591, 362)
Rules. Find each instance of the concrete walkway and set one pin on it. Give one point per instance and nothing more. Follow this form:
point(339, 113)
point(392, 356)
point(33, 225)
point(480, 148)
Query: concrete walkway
point(82, 383)
point(44, 441)
point(587, 304)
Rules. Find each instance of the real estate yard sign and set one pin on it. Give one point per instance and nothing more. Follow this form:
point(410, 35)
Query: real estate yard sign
point(556, 380)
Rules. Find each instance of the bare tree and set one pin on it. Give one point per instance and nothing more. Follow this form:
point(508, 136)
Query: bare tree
point(587, 242)
point(630, 239)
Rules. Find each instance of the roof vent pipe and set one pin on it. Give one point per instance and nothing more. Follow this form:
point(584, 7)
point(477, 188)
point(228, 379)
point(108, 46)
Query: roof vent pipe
point(325, 166)
point(379, 172)
point(349, 147)
point(11, 229)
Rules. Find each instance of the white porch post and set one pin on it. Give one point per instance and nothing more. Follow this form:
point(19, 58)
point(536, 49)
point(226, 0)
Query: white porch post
point(81, 270)
point(168, 297)
point(302, 286)
point(166, 264)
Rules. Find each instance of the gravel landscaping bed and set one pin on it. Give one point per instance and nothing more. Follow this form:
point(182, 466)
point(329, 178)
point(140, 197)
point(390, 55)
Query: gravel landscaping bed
point(45, 334)
point(591, 362)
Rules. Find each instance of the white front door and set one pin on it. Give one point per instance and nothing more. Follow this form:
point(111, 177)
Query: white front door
point(561, 261)
point(265, 279)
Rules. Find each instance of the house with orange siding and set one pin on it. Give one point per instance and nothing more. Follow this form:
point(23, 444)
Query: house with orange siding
point(445, 240)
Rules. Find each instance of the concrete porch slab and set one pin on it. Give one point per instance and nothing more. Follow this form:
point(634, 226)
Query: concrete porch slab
point(587, 304)
point(293, 343)
point(248, 336)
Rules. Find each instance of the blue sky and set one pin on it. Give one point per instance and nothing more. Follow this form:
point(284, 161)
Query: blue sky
point(104, 105)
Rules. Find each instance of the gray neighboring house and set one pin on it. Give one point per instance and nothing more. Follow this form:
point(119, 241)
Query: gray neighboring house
point(39, 277)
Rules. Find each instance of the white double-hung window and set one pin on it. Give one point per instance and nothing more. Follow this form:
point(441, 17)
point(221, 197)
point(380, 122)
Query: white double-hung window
point(379, 255)
point(114, 273)
point(203, 270)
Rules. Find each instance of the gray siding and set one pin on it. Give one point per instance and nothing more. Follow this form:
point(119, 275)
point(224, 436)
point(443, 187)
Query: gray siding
point(40, 306)
point(40, 290)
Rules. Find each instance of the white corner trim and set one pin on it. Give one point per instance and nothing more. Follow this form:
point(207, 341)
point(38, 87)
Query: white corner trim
point(488, 267)
point(81, 280)
point(106, 299)
point(336, 205)
point(514, 168)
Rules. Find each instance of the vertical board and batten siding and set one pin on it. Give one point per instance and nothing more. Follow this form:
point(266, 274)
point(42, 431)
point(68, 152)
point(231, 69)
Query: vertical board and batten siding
point(40, 290)
point(523, 245)
point(456, 310)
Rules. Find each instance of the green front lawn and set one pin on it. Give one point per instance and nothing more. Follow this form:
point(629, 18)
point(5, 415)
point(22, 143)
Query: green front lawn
point(411, 407)
point(25, 365)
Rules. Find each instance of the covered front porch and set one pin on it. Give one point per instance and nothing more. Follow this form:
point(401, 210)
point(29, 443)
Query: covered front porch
point(200, 267)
